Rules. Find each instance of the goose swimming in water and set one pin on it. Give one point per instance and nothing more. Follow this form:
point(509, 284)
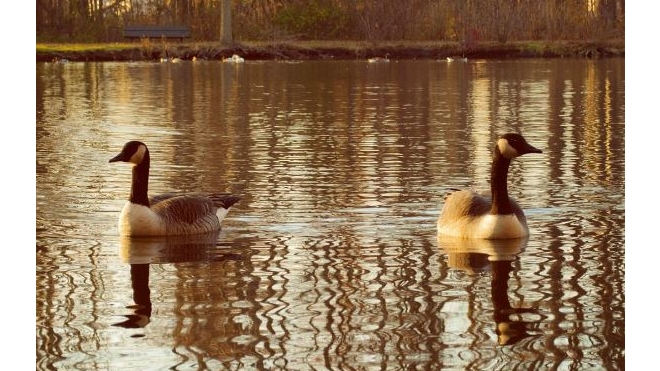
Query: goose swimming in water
point(468, 214)
point(379, 59)
point(234, 59)
point(168, 214)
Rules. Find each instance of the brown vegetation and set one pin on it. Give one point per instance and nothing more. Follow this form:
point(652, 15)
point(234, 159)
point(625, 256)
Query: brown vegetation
point(154, 50)
point(275, 21)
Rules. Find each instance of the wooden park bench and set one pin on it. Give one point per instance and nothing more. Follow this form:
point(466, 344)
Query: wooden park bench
point(156, 32)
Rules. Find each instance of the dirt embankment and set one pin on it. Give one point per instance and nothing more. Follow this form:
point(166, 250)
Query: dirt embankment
point(333, 50)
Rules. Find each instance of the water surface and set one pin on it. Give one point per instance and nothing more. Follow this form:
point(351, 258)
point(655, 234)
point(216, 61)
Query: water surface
point(331, 259)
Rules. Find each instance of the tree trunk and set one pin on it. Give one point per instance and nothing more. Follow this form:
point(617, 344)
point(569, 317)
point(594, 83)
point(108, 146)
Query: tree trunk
point(225, 24)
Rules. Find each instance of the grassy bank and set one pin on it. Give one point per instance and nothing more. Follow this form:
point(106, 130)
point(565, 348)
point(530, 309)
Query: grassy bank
point(146, 50)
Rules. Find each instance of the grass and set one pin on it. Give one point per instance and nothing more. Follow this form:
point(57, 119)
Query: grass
point(311, 44)
point(314, 48)
point(82, 47)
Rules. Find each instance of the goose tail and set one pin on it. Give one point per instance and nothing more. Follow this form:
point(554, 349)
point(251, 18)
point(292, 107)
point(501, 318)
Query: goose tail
point(224, 200)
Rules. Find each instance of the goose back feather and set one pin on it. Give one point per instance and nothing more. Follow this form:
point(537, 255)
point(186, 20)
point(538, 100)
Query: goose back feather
point(466, 213)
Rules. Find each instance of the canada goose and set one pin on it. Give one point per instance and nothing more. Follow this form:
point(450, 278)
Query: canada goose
point(468, 214)
point(168, 214)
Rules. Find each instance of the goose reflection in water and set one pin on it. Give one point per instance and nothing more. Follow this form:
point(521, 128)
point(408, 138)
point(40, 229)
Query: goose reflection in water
point(498, 256)
point(140, 253)
point(141, 296)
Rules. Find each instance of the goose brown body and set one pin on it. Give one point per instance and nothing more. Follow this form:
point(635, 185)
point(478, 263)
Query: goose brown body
point(167, 214)
point(469, 214)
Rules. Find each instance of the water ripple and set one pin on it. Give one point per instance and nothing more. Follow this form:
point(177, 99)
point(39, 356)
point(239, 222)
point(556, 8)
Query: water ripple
point(330, 260)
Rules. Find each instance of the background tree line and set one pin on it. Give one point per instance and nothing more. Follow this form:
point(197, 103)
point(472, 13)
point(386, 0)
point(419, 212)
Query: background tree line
point(372, 20)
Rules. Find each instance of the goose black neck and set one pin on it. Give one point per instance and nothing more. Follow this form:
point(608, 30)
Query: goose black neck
point(498, 185)
point(140, 182)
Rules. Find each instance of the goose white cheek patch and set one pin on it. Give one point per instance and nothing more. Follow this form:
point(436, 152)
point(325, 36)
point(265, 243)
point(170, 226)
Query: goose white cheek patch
point(506, 149)
point(139, 154)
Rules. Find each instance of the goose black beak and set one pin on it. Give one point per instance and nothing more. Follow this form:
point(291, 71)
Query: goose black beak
point(119, 157)
point(532, 149)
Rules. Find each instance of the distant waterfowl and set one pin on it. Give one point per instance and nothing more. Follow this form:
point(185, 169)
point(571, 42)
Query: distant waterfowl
point(379, 59)
point(234, 59)
point(456, 59)
point(170, 60)
point(168, 214)
point(468, 214)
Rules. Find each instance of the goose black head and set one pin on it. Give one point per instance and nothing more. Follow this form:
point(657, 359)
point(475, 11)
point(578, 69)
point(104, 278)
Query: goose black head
point(134, 152)
point(512, 145)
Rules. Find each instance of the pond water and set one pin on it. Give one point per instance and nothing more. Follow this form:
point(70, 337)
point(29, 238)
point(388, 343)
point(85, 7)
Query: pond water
point(331, 259)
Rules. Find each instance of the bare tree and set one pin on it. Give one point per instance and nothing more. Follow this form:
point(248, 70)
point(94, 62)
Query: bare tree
point(226, 37)
point(456, 20)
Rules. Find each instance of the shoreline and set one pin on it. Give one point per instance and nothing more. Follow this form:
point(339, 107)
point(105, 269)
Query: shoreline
point(154, 50)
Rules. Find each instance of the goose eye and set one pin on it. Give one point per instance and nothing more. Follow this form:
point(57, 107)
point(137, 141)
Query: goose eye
point(515, 142)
